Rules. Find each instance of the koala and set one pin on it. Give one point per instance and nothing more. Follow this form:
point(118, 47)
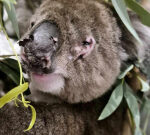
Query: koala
point(59, 56)
point(73, 52)
point(48, 54)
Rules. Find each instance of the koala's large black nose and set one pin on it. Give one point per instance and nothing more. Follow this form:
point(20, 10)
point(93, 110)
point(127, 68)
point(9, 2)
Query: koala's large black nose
point(40, 45)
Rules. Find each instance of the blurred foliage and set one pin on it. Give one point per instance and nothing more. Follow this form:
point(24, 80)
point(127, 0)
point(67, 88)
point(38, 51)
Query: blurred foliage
point(11, 69)
point(129, 94)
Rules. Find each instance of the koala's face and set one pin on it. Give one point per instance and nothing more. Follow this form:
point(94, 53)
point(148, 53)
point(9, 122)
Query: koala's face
point(72, 52)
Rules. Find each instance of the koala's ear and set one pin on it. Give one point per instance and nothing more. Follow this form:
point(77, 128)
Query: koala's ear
point(131, 47)
point(84, 49)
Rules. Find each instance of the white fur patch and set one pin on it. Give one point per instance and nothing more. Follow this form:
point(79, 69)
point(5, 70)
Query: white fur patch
point(51, 83)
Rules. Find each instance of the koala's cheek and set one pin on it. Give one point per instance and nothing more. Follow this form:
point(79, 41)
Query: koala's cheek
point(50, 83)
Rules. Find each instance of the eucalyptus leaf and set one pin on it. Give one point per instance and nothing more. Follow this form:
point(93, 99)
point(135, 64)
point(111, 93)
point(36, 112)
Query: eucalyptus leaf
point(145, 104)
point(145, 85)
point(1, 16)
point(123, 74)
point(9, 2)
point(147, 122)
point(113, 103)
point(137, 131)
point(143, 14)
point(33, 118)
point(145, 115)
point(12, 63)
point(133, 106)
point(13, 94)
point(120, 8)
point(10, 73)
point(12, 16)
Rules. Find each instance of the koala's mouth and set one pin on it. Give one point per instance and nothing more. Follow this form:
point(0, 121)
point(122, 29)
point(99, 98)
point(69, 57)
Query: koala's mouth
point(52, 83)
point(44, 77)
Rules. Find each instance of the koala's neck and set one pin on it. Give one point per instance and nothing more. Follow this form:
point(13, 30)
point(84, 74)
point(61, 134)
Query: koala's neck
point(41, 97)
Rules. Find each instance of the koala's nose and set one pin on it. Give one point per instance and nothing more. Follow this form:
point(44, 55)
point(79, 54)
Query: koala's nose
point(42, 62)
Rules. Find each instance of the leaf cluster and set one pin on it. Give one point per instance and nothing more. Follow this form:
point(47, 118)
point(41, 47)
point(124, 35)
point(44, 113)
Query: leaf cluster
point(123, 90)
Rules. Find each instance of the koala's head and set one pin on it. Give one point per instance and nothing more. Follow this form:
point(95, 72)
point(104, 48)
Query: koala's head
point(71, 49)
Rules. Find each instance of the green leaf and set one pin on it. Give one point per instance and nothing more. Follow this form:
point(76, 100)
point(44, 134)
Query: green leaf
point(12, 16)
point(120, 8)
point(143, 14)
point(145, 114)
point(10, 73)
point(137, 131)
point(12, 94)
point(33, 118)
point(145, 85)
point(12, 63)
point(113, 103)
point(1, 16)
point(145, 104)
point(123, 74)
point(9, 2)
point(133, 106)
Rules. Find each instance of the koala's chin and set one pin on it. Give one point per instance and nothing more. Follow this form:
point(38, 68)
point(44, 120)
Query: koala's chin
point(47, 85)
point(52, 83)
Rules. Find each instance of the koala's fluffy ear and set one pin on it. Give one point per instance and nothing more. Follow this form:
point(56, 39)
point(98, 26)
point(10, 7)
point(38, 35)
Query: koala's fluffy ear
point(83, 49)
point(132, 48)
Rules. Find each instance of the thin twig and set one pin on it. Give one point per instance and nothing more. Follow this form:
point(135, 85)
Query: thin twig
point(5, 56)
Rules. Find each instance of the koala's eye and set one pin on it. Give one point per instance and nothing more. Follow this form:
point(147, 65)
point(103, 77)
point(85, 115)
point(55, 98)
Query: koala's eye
point(86, 43)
